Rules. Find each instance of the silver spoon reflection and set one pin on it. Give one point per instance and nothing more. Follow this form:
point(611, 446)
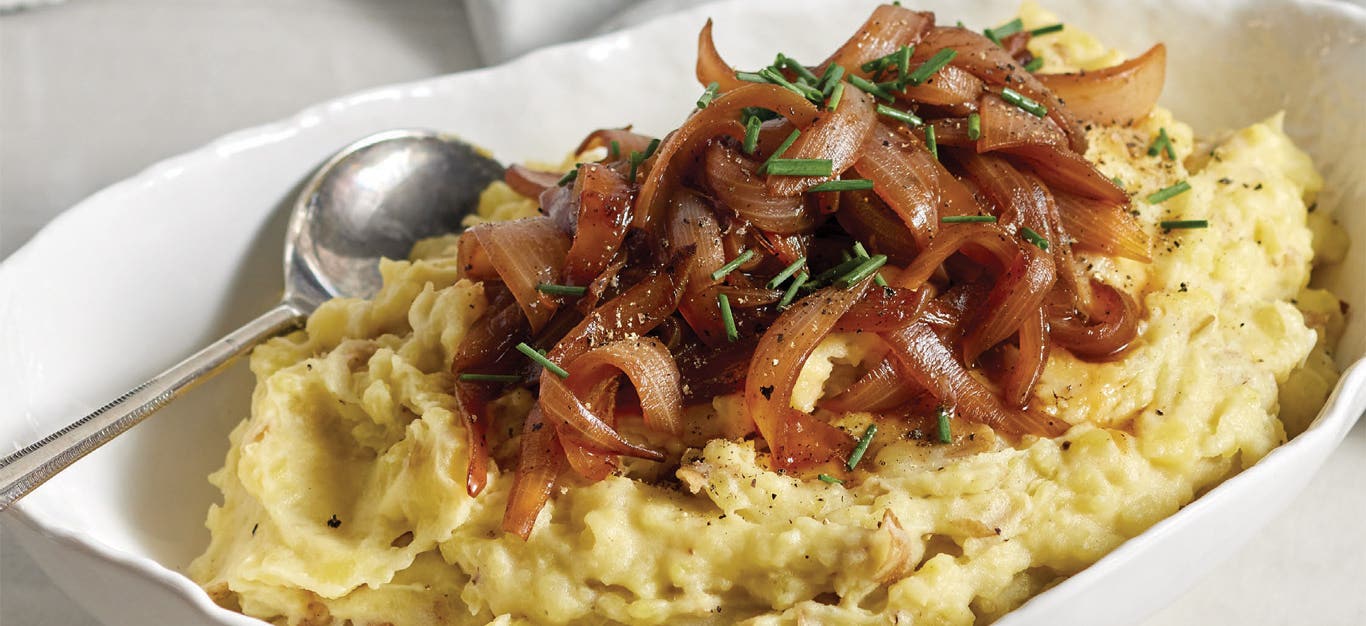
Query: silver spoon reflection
point(375, 198)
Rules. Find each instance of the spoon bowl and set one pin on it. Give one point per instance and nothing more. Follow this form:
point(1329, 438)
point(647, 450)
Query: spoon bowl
point(374, 198)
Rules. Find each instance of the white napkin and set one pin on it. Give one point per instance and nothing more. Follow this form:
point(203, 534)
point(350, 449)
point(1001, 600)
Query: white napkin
point(504, 29)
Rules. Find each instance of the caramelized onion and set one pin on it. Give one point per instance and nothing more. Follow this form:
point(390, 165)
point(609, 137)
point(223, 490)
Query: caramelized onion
point(733, 180)
point(1122, 94)
point(1110, 330)
point(887, 29)
point(711, 68)
point(650, 368)
point(837, 136)
point(881, 388)
point(912, 182)
point(1102, 227)
point(540, 464)
point(526, 253)
point(627, 141)
point(604, 213)
point(1005, 125)
point(528, 182)
point(952, 88)
point(797, 440)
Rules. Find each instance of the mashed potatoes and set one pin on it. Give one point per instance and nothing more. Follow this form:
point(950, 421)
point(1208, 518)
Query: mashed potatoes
point(344, 497)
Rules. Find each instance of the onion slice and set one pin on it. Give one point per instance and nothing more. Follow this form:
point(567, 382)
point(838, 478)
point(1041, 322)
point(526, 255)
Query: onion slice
point(1122, 95)
point(541, 462)
point(526, 253)
point(646, 362)
point(839, 136)
point(711, 68)
point(735, 183)
point(604, 201)
point(886, 30)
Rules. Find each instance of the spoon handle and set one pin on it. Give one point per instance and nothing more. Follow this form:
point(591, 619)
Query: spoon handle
point(24, 470)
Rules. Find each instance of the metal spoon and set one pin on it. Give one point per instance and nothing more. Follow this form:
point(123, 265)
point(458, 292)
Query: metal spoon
point(375, 198)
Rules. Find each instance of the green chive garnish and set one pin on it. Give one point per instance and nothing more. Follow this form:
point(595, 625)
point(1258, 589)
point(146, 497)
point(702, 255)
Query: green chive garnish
point(862, 253)
point(708, 95)
point(561, 290)
point(1008, 29)
point(614, 152)
point(833, 76)
point(636, 159)
point(751, 135)
point(928, 68)
point(862, 447)
point(837, 271)
point(899, 115)
point(826, 478)
point(931, 143)
point(836, 95)
point(903, 60)
point(540, 359)
point(974, 126)
point(804, 91)
point(750, 77)
point(1034, 64)
point(569, 176)
point(741, 259)
point(792, 64)
point(1163, 195)
point(944, 435)
point(872, 88)
point(727, 317)
point(800, 167)
point(968, 219)
point(1119, 182)
point(490, 378)
point(782, 147)
point(1162, 142)
point(866, 267)
point(650, 149)
point(792, 290)
point(1175, 224)
point(1044, 30)
point(852, 184)
point(786, 273)
point(1019, 100)
point(1034, 238)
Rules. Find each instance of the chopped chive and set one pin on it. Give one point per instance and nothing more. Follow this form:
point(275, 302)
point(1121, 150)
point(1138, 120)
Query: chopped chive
point(852, 184)
point(903, 60)
point(786, 273)
point(862, 447)
point(1163, 195)
point(490, 378)
point(614, 152)
point(864, 270)
point(1006, 30)
point(878, 64)
point(968, 219)
point(974, 126)
point(931, 142)
point(899, 115)
point(837, 271)
point(750, 77)
point(859, 250)
point(759, 112)
point(569, 176)
point(834, 75)
point(1044, 30)
point(945, 436)
point(872, 88)
point(741, 259)
point(708, 95)
point(727, 317)
point(1034, 64)
point(1034, 237)
point(751, 135)
point(636, 159)
point(1119, 182)
point(836, 95)
point(561, 290)
point(792, 290)
point(800, 167)
point(541, 360)
point(826, 478)
point(650, 149)
point(804, 91)
point(1019, 100)
point(801, 70)
point(1159, 143)
point(782, 147)
point(1175, 224)
point(934, 64)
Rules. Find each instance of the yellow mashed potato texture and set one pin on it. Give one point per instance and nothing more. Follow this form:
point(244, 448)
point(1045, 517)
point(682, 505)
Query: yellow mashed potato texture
point(344, 498)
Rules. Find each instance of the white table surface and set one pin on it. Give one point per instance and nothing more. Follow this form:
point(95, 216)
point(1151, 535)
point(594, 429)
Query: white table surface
point(93, 91)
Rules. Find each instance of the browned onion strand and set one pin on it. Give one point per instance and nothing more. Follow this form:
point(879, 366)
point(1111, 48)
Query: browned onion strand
point(649, 248)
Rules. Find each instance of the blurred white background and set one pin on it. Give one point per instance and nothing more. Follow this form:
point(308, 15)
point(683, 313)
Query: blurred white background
point(93, 91)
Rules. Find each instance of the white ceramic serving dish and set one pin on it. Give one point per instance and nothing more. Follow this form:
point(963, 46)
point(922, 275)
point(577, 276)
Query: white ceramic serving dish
point(144, 272)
